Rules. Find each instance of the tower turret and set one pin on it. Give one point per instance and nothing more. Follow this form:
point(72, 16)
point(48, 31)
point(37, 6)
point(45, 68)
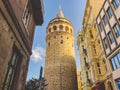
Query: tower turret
point(60, 67)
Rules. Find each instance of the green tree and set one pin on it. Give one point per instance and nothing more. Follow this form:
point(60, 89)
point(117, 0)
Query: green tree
point(32, 84)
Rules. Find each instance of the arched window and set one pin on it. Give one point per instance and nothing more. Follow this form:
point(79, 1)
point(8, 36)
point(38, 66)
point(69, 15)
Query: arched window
point(48, 43)
point(61, 27)
point(54, 27)
point(67, 28)
point(54, 36)
point(61, 41)
point(71, 30)
point(49, 30)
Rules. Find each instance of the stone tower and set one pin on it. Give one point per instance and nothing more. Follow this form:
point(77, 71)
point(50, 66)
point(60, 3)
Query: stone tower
point(60, 67)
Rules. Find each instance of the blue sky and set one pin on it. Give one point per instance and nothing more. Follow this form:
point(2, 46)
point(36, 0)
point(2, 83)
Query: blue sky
point(74, 11)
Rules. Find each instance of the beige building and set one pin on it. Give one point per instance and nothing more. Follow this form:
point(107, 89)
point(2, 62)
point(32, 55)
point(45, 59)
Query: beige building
point(60, 66)
point(85, 74)
point(92, 58)
point(108, 22)
point(79, 80)
point(17, 22)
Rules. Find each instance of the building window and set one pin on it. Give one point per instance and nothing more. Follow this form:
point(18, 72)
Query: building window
point(110, 12)
point(49, 30)
point(26, 15)
point(117, 30)
point(12, 70)
point(66, 28)
point(105, 64)
point(85, 60)
point(105, 20)
point(98, 66)
point(48, 43)
point(82, 39)
point(94, 48)
point(115, 3)
point(101, 26)
point(54, 36)
point(115, 61)
point(106, 43)
point(91, 35)
point(87, 75)
point(54, 27)
point(71, 30)
point(112, 40)
point(83, 47)
point(61, 27)
point(61, 41)
point(118, 83)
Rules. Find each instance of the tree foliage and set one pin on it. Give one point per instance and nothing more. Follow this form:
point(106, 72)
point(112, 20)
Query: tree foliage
point(32, 84)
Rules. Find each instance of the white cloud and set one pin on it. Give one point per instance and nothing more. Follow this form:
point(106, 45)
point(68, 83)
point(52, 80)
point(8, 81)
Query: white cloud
point(38, 54)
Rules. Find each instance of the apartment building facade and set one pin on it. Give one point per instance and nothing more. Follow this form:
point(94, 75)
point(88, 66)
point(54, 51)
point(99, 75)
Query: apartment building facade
point(108, 22)
point(17, 23)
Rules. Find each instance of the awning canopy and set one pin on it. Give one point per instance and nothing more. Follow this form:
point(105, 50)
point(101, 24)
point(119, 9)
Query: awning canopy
point(99, 86)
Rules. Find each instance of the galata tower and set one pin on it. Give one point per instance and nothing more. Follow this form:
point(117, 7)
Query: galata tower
point(60, 67)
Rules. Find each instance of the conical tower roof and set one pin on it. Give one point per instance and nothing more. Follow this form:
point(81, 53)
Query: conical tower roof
point(60, 13)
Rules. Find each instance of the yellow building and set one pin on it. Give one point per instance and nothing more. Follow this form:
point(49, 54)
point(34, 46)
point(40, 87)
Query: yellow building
point(93, 63)
point(79, 80)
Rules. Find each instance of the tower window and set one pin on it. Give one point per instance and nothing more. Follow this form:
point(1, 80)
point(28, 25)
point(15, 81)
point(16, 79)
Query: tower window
point(54, 27)
point(66, 28)
point(71, 30)
point(49, 29)
point(61, 27)
point(54, 36)
point(61, 41)
point(48, 43)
